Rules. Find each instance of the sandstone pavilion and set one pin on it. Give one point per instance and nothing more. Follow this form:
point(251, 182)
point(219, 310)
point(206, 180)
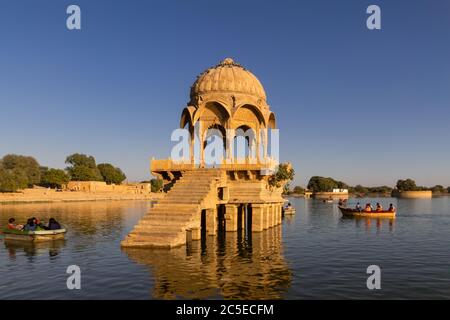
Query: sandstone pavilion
point(235, 195)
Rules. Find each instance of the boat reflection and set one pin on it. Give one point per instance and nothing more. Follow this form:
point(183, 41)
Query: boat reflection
point(369, 223)
point(229, 266)
point(32, 249)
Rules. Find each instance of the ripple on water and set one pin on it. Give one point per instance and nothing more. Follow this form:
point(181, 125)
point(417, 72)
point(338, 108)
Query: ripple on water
point(315, 254)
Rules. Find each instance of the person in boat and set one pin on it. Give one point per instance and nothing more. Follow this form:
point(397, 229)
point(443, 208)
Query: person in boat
point(30, 226)
point(391, 208)
point(53, 224)
point(38, 223)
point(341, 202)
point(358, 207)
point(379, 207)
point(13, 226)
point(368, 208)
point(285, 207)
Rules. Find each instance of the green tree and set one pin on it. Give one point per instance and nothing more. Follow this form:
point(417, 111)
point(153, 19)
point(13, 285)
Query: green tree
point(111, 174)
point(298, 190)
point(380, 190)
point(83, 168)
point(156, 185)
point(406, 185)
point(321, 184)
point(438, 189)
point(283, 174)
point(360, 189)
point(81, 173)
point(23, 166)
point(54, 178)
point(286, 189)
point(341, 185)
point(12, 180)
point(79, 159)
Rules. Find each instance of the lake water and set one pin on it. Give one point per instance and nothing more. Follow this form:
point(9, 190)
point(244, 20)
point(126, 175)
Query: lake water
point(314, 254)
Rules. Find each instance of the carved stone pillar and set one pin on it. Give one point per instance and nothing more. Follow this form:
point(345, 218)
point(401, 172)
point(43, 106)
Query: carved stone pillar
point(230, 145)
point(266, 214)
point(257, 217)
point(196, 234)
point(231, 217)
point(211, 222)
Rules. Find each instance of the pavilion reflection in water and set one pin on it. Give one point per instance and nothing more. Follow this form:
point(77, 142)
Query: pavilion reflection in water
point(230, 266)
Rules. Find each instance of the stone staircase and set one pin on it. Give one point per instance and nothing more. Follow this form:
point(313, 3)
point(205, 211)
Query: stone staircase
point(180, 210)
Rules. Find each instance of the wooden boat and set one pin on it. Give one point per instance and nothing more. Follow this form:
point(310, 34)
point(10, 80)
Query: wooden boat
point(349, 212)
point(289, 211)
point(34, 236)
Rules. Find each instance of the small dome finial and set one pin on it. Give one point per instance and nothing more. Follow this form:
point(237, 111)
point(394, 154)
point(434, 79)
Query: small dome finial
point(228, 61)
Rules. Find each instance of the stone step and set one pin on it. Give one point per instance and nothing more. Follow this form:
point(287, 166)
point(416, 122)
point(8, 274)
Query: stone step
point(191, 201)
point(152, 229)
point(157, 236)
point(180, 201)
point(168, 216)
point(172, 210)
point(166, 223)
point(186, 194)
point(189, 190)
point(154, 242)
point(167, 219)
point(175, 205)
point(160, 228)
point(191, 186)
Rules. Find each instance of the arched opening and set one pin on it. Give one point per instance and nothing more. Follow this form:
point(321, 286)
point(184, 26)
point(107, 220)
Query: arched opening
point(216, 130)
point(250, 115)
point(187, 125)
point(214, 118)
point(244, 143)
point(214, 112)
point(186, 118)
point(272, 122)
point(214, 145)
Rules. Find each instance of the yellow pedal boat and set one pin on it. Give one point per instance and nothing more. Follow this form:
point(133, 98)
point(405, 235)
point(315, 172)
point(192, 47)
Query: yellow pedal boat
point(349, 212)
point(289, 211)
point(34, 236)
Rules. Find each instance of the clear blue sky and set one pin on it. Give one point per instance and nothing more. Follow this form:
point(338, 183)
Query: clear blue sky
point(366, 107)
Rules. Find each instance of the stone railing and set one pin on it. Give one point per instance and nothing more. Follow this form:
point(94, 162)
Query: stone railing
point(163, 165)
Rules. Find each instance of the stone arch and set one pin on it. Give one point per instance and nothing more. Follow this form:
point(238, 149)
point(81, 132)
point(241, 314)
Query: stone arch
point(215, 130)
point(216, 127)
point(271, 123)
point(250, 115)
point(186, 118)
point(249, 135)
point(213, 112)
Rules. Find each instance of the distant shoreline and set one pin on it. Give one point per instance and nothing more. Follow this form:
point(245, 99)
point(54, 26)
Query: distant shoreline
point(51, 196)
point(371, 195)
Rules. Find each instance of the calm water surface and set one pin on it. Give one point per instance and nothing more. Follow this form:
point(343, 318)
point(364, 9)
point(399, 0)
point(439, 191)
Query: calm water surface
point(314, 254)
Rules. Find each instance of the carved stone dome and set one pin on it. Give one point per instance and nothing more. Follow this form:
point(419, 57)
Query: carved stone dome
point(228, 77)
